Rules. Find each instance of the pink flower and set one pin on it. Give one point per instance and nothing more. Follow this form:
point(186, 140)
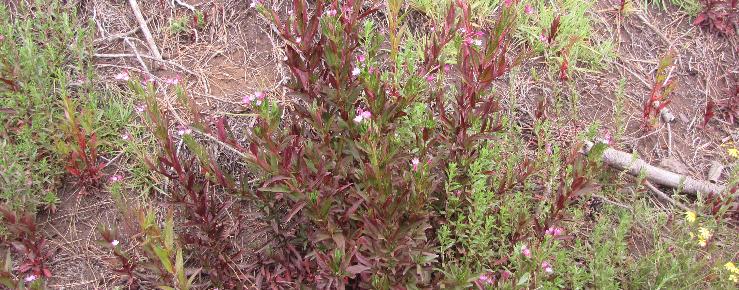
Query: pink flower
point(554, 231)
point(543, 38)
point(2, 37)
point(115, 243)
point(477, 42)
point(479, 34)
point(184, 131)
point(505, 275)
point(298, 40)
point(116, 178)
point(508, 3)
point(447, 68)
point(331, 12)
point(548, 148)
point(547, 267)
point(360, 58)
point(259, 98)
point(356, 71)
point(255, 99)
point(362, 115)
point(125, 136)
point(485, 279)
point(30, 278)
point(140, 109)
point(173, 81)
point(254, 3)
point(528, 9)
point(415, 163)
point(123, 76)
point(525, 251)
point(430, 78)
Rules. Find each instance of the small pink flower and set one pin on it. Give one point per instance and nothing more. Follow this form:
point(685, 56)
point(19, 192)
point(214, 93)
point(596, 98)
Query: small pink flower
point(525, 251)
point(554, 231)
point(30, 278)
point(447, 68)
point(430, 78)
point(140, 109)
point(371, 70)
point(254, 3)
point(543, 38)
point(479, 34)
point(298, 40)
point(173, 81)
point(259, 98)
point(356, 71)
point(184, 131)
point(505, 275)
point(362, 115)
point(331, 12)
point(116, 178)
point(547, 267)
point(477, 42)
point(485, 279)
point(2, 37)
point(415, 163)
point(508, 3)
point(115, 243)
point(123, 76)
point(125, 136)
point(548, 148)
point(360, 58)
point(528, 9)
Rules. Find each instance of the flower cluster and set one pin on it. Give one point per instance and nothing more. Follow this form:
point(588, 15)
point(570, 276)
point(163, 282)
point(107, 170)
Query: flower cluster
point(472, 37)
point(555, 232)
point(733, 271)
point(255, 99)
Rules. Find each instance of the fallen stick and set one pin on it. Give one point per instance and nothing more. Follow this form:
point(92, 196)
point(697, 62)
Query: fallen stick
point(145, 29)
point(625, 161)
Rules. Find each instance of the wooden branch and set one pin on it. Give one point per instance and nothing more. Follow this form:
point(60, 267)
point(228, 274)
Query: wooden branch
point(145, 29)
point(625, 161)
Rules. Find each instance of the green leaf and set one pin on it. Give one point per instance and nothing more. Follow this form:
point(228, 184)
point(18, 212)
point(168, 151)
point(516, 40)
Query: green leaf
point(180, 267)
point(164, 258)
point(524, 279)
point(169, 232)
point(596, 153)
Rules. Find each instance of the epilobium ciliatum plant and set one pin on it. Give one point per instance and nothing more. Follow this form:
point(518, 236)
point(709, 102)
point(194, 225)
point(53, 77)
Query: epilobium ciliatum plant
point(379, 151)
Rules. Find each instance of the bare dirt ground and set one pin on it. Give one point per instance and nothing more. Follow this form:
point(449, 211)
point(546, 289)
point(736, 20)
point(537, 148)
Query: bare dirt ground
point(236, 53)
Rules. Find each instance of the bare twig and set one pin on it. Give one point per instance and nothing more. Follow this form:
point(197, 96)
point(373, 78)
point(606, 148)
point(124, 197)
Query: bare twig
point(119, 55)
point(663, 196)
point(145, 29)
point(138, 55)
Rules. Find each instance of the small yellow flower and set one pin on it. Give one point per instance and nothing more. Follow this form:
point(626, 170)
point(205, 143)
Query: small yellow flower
point(731, 267)
point(703, 236)
point(704, 233)
point(690, 216)
point(733, 152)
point(734, 278)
